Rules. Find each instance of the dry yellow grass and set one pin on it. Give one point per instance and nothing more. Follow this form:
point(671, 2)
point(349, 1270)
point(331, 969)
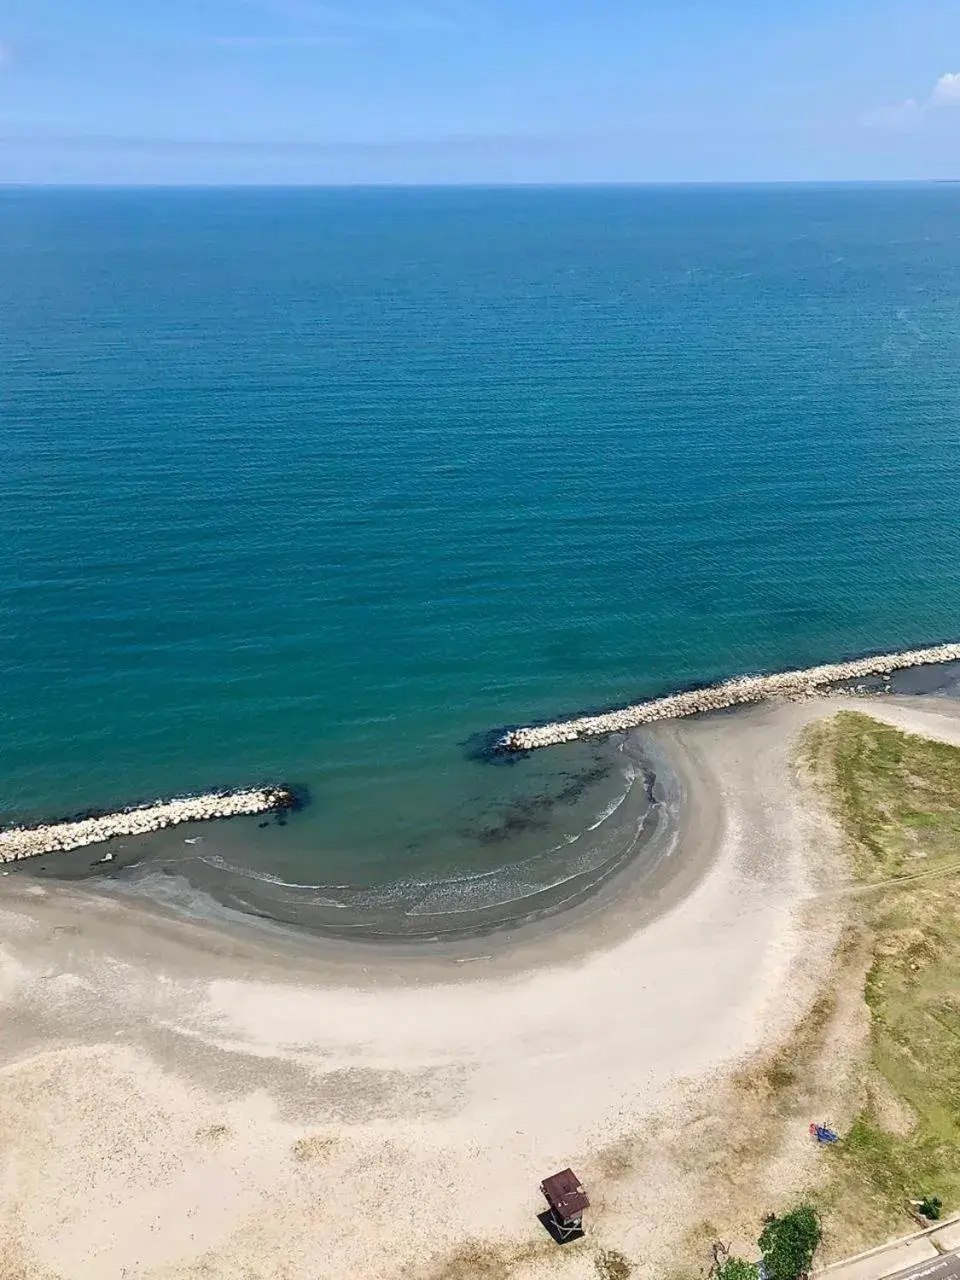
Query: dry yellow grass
point(313, 1146)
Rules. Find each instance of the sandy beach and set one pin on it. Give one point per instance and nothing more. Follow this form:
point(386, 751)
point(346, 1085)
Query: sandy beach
point(191, 1100)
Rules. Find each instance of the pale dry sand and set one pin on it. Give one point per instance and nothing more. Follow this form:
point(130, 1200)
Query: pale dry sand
point(182, 1101)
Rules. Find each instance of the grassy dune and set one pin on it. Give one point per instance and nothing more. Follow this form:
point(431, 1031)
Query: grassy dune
point(897, 798)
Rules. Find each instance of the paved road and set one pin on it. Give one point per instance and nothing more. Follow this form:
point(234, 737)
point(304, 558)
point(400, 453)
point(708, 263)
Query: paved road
point(944, 1268)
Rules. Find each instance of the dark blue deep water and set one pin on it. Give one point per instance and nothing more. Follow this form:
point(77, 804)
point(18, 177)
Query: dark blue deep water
point(316, 485)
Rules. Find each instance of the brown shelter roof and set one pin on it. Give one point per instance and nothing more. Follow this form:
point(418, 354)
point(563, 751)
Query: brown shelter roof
point(565, 1194)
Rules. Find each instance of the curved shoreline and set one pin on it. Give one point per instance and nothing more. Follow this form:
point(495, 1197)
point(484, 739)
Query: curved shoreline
point(19, 843)
point(228, 1080)
point(741, 690)
point(675, 852)
point(633, 838)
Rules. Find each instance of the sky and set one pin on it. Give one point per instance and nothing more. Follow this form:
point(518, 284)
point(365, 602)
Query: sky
point(478, 91)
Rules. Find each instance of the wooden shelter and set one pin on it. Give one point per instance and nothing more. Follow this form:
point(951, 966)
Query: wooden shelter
point(567, 1199)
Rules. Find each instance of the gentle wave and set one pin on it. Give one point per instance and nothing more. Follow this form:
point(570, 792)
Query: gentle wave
point(515, 886)
point(609, 811)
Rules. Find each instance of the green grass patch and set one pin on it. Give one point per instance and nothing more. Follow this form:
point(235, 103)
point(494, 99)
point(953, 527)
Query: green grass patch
point(897, 797)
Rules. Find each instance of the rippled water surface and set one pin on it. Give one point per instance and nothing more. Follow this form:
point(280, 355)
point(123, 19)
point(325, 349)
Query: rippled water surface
point(317, 486)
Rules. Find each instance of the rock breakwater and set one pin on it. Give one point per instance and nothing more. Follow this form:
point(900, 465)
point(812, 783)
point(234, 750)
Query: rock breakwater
point(731, 693)
point(17, 843)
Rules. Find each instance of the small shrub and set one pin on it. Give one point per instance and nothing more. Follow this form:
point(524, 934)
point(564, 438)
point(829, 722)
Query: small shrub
point(612, 1265)
point(788, 1244)
point(930, 1207)
point(736, 1269)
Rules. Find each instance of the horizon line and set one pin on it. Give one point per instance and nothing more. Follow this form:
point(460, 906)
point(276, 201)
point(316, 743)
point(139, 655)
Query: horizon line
point(503, 185)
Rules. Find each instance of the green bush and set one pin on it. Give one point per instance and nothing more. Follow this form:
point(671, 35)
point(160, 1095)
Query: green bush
point(787, 1244)
point(736, 1269)
point(930, 1207)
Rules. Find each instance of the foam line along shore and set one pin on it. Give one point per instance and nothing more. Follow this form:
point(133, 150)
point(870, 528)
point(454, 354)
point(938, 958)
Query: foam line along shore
point(739, 691)
point(17, 843)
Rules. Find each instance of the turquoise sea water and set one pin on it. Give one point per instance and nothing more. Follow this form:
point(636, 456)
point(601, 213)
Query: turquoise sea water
point(316, 485)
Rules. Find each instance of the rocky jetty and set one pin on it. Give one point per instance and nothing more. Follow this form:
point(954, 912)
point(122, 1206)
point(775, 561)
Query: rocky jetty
point(743, 689)
point(59, 837)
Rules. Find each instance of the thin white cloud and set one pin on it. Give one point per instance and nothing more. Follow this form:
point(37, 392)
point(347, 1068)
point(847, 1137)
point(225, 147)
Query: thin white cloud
point(281, 42)
point(907, 115)
point(946, 92)
point(371, 15)
point(910, 114)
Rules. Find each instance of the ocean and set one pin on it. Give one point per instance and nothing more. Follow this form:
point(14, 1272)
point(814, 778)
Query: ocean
point(326, 486)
